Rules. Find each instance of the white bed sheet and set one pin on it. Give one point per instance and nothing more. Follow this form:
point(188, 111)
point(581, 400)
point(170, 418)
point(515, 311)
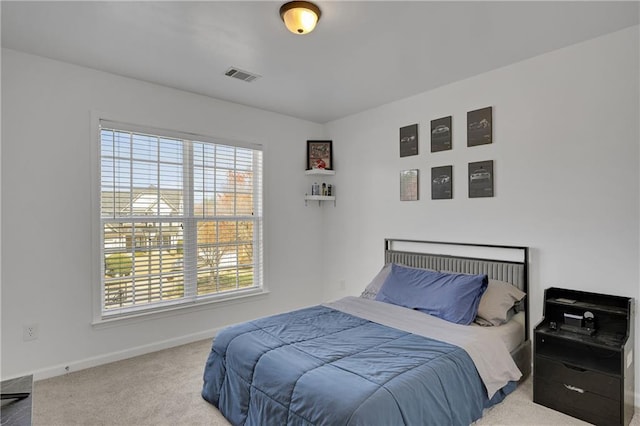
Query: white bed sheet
point(511, 333)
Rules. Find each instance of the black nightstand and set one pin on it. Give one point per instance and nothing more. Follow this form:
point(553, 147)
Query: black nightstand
point(583, 364)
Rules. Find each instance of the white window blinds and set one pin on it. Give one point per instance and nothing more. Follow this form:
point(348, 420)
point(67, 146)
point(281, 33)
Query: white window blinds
point(181, 219)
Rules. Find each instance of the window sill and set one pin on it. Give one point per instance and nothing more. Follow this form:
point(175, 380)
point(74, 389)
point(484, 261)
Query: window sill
point(178, 309)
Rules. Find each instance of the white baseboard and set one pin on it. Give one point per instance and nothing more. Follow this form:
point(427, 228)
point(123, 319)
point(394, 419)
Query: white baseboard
point(59, 370)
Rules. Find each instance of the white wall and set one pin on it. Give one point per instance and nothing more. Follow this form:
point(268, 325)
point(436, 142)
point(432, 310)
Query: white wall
point(566, 163)
point(47, 216)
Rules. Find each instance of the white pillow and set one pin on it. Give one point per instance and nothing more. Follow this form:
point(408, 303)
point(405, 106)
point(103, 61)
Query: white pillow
point(497, 303)
point(371, 291)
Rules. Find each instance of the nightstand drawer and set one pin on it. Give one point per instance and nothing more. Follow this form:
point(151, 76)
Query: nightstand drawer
point(584, 405)
point(586, 380)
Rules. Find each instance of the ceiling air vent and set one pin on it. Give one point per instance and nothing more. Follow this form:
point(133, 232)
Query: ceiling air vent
point(241, 75)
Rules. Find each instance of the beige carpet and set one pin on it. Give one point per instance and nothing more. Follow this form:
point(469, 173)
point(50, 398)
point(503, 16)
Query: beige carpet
point(163, 388)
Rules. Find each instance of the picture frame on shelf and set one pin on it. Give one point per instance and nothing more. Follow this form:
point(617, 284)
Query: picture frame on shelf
point(442, 183)
point(409, 185)
point(481, 179)
point(441, 134)
point(319, 155)
point(409, 140)
point(479, 126)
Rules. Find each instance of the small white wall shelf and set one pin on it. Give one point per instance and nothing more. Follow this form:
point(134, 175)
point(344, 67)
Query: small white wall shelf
point(319, 198)
point(322, 172)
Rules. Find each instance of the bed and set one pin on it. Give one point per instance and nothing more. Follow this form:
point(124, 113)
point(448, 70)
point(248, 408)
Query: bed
point(412, 349)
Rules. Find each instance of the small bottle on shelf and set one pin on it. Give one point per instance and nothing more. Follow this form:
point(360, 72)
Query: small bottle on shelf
point(315, 189)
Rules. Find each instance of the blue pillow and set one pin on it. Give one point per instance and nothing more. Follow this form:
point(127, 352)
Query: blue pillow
point(452, 297)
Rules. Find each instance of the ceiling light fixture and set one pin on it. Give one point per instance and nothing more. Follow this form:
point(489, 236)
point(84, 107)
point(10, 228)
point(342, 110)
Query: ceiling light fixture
point(300, 17)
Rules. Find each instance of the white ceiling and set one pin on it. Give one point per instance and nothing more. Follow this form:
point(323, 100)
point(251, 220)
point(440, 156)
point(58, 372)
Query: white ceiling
point(362, 54)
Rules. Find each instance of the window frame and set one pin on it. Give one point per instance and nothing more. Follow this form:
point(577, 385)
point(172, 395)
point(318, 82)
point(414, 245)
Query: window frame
point(188, 301)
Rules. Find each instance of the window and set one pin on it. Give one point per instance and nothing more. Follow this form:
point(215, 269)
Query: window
point(180, 219)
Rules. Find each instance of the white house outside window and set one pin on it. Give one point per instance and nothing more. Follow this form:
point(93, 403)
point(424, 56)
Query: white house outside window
point(180, 219)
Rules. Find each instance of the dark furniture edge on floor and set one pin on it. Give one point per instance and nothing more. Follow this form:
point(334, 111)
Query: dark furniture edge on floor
point(16, 399)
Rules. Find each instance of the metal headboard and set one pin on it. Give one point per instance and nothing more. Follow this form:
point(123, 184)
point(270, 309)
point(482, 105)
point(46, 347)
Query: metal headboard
point(499, 262)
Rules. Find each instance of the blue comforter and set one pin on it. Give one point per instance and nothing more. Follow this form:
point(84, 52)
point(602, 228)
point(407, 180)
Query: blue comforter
point(319, 366)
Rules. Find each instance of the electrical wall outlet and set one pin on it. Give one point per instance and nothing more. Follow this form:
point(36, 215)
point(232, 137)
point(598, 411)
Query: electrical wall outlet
point(29, 332)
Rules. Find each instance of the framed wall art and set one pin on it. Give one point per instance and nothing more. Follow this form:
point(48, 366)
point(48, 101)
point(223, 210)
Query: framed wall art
point(481, 179)
point(441, 134)
point(409, 140)
point(442, 183)
point(479, 125)
point(320, 155)
point(409, 185)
